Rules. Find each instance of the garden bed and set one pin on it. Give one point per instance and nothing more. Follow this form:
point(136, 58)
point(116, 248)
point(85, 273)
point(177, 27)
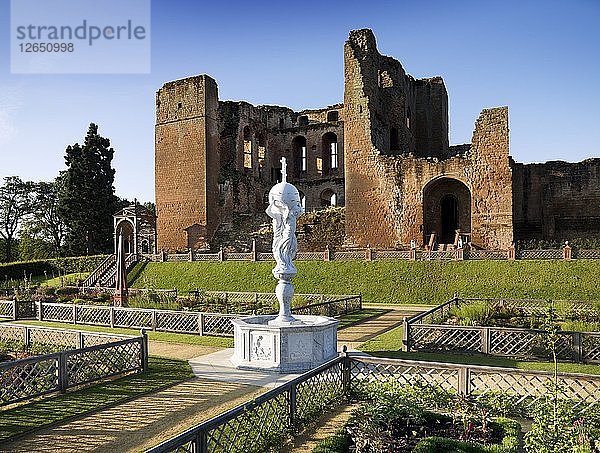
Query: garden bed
point(396, 418)
point(509, 328)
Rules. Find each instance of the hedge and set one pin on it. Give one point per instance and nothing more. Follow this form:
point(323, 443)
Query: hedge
point(19, 269)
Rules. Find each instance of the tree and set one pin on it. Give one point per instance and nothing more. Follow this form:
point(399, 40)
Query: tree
point(87, 199)
point(15, 204)
point(46, 224)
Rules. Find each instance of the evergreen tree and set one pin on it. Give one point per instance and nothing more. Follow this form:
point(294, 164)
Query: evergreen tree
point(87, 198)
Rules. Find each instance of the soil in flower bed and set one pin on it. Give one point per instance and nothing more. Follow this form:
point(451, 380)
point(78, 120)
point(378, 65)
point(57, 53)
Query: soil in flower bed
point(405, 436)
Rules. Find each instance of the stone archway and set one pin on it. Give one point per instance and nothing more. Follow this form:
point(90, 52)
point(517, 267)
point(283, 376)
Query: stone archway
point(126, 228)
point(446, 208)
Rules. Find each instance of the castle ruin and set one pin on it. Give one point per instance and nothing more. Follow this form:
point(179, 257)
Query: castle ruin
point(383, 153)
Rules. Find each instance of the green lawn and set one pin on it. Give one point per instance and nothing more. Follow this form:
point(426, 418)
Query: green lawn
point(397, 282)
point(27, 417)
point(388, 345)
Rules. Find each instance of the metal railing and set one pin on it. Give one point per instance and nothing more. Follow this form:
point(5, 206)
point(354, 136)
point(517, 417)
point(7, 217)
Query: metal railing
point(258, 424)
point(87, 357)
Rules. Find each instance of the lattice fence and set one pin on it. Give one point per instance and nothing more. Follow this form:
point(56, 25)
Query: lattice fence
point(239, 256)
point(28, 378)
point(308, 256)
point(348, 256)
point(477, 381)
point(440, 255)
point(6, 309)
point(102, 361)
point(540, 254)
point(177, 321)
point(134, 318)
point(426, 332)
point(57, 312)
point(178, 257)
point(263, 423)
point(265, 256)
point(196, 322)
point(588, 254)
point(486, 255)
point(391, 254)
point(88, 357)
point(94, 315)
point(425, 337)
point(206, 256)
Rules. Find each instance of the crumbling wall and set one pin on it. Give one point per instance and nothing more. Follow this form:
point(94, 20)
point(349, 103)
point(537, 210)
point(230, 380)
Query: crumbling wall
point(556, 200)
point(185, 146)
point(385, 189)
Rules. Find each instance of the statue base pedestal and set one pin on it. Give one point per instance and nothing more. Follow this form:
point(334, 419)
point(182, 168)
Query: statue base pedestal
point(262, 343)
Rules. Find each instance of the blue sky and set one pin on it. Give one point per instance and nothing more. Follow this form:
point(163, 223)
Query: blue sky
point(540, 58)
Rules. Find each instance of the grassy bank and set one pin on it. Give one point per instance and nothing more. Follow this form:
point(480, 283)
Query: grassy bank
point(398, 282)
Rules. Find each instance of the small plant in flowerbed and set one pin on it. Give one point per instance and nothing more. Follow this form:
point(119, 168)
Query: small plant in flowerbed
point(423, 418)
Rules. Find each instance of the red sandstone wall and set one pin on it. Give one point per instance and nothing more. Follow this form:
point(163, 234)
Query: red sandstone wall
point(185, 139)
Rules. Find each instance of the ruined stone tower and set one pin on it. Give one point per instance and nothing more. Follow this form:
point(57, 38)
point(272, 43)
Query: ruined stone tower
point(186, 159)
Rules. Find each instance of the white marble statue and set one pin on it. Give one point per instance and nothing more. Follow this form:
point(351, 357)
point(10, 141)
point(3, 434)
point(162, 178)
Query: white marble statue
point(284, 208)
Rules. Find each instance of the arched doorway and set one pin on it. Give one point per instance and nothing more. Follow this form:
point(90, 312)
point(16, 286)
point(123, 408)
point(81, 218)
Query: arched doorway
point(449, 215)
point(446, 209)
point(125, 228)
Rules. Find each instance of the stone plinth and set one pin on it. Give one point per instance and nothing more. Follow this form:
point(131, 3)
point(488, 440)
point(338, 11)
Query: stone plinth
point(284, 347)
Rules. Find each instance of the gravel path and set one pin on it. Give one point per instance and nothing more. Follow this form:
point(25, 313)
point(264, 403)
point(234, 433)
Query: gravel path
point(141, 423)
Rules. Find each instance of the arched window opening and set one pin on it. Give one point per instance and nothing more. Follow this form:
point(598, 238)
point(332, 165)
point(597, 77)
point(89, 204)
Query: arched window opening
point(247, 148)
point(145, 246)
point(281, 123)
point(262, 152)
point(300, 156)
point(276, 167)
point(328, 198)
point(302, 200)
point(408, 117)
point(330, 157)
point(303, 120)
